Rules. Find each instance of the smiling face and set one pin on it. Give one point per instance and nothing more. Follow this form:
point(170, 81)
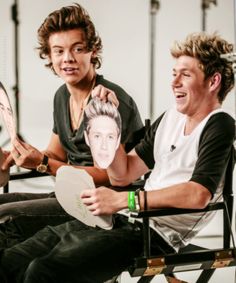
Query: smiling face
point(7, 114)
point(103, 138)
point(192, 92)
point(70, 59)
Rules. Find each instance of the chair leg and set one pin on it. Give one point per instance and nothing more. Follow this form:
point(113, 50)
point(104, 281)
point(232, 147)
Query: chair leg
point(205, 276)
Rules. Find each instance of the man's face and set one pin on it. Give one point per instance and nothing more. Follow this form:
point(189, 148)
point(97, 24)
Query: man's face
point(191, 91)
point(7, 114)
point(103, 138)
point(69, 57)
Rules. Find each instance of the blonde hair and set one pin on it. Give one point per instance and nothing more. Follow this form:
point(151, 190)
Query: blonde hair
point(96, 108)
point(207, 48)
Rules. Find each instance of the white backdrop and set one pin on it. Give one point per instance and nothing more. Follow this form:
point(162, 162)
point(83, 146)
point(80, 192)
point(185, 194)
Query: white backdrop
point(124, 26)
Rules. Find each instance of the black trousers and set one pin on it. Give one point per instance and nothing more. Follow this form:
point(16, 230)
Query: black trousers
point(73, 252)
point(24, 214)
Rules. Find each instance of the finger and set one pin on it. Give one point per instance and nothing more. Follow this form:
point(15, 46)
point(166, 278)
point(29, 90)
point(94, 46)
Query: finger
point(7, 163)
point(96, 91)
point(113, 99)
point(15, 153)
point(18, 148)
point(86, 193)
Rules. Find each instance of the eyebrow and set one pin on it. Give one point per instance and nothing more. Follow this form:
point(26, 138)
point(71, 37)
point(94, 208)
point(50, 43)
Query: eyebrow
point(181, 69)
point(73, 44)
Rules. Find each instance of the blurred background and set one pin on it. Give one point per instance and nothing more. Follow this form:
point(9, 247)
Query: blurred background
point(136, 35)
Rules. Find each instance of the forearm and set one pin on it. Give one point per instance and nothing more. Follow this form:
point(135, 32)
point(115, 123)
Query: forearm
point(118, 170)
point(99, 176)
point(185, 195)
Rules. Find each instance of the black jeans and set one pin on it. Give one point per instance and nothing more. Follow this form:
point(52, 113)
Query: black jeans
point(73, 252)
point(23, 214)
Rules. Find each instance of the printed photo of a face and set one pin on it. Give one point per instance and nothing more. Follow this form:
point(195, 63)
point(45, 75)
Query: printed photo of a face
point(102, 131)
point(7, 114)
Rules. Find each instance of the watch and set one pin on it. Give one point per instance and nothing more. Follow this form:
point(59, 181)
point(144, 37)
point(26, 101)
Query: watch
point(43, 166)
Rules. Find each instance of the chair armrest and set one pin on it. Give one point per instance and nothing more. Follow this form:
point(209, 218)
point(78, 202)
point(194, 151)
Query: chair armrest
point(23, 175)
point(26, 175)
point(174, 211)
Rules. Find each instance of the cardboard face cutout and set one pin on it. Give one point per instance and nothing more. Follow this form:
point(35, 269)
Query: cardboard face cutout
point(103, 138)
point(7, 113)
point(102, 133)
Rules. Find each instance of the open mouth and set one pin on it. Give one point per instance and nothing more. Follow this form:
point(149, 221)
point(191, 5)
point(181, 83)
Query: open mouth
point(180, 95)
point(69, 69)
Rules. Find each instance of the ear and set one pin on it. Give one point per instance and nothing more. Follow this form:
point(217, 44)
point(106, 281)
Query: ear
point(86, 138)
point(94, 54)
point(215, 81)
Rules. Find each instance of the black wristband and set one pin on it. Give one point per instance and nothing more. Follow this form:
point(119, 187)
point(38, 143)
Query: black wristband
point(145, 200)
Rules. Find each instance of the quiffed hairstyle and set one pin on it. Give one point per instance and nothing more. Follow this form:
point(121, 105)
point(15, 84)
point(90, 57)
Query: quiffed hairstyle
point(207, 49)
point(96, 108)
point(68, 18)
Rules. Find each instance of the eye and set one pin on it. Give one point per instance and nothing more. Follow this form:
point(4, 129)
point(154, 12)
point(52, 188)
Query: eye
point(111, 137)
point(57, 51)
point(79, 48)
point(96, 136)
point(186, 74)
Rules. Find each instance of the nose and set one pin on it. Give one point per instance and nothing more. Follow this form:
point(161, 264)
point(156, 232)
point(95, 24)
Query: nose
point(68, 57)
point(176, 82)
point(104, 144)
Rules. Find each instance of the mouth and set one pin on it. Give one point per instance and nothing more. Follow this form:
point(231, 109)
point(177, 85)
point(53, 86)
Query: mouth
point(180, 94)
point(103, 155)
point(69, 69)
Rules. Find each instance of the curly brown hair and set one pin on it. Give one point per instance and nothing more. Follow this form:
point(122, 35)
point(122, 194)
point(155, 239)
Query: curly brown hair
point(69, 18)
point(207, 48)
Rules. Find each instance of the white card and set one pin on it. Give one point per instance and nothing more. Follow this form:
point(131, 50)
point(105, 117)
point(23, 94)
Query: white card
point(70, 182)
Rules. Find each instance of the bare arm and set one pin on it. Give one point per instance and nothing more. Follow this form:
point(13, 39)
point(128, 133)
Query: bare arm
point(27, 156)
point(126, 168)
point(186, 195)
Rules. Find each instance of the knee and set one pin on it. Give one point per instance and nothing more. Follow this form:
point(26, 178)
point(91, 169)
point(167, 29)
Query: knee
point(7, 212)
point(38, 272)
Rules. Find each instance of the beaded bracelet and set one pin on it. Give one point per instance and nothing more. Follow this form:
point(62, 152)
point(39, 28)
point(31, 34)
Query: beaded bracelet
point(137, 200)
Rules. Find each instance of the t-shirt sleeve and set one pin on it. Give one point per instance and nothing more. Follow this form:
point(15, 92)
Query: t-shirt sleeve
point(131, 120)
point(215, 145)
point(55, 128)
point(145, 149)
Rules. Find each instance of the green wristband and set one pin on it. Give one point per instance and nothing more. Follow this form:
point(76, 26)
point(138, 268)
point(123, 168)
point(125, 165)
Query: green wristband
point(131, 201)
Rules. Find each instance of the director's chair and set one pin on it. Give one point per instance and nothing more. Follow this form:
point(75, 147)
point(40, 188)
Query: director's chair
point(191, 257)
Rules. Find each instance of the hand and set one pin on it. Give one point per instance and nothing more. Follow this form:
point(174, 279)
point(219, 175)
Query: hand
point(26, 155)
point(105, 94)
point(8, 161)
point(101, 201)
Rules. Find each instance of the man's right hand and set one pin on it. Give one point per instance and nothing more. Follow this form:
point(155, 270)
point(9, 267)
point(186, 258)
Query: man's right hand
point(8, 160)
point(105, 94)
